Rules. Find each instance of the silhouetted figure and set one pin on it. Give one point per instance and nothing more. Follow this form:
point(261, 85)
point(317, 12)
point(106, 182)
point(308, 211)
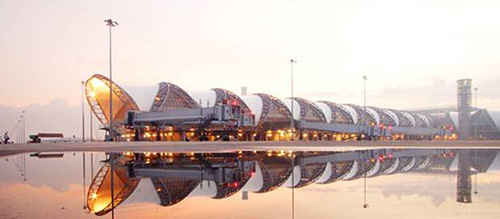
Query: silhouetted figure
point(6, 138)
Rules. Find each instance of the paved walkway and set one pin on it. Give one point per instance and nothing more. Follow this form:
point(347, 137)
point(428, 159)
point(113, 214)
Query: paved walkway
point(236, 146)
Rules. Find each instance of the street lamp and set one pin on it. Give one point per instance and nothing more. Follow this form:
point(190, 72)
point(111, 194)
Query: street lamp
point(364, 105)
point(292, 127)
point(363, 159)
point(24, 141)
point(293, 186)
point(477, 110)
point(110, 23)
point(15, 131)
point(475, 174)
point(83, 140)
point(23, 116)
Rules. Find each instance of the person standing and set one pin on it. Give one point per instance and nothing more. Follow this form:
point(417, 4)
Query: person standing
point(6, 138)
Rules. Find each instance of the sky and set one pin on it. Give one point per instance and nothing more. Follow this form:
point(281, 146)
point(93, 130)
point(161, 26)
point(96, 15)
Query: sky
point(412, 51)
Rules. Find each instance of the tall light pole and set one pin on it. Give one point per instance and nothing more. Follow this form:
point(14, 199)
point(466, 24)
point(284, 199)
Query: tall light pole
point(110, 23)
point(23, 138)
point(365, 204)
point(364, 102)
point(83, 111)
point(292, 127)
point(477, 110)
point(83, 140)
point(475, 174)
point(363, 157)
point(19, 131)
point(293, 186)
point(24, 141)
point(15, 131)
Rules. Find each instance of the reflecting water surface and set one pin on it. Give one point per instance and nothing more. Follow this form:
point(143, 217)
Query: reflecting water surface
point(380, 183)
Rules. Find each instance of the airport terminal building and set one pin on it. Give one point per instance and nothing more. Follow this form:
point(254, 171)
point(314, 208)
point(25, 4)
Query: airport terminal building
point(166, 112)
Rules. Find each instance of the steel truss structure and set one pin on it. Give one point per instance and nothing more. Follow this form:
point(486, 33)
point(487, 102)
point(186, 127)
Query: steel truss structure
point(170, 96)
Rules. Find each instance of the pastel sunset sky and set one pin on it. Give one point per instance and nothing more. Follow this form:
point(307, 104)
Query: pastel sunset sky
point(412, 51)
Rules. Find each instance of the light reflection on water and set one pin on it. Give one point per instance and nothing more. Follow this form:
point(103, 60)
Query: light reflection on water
point(407, 183)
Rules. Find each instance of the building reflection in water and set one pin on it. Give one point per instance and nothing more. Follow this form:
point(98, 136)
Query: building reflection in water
point(172, 177)
point(464, 183)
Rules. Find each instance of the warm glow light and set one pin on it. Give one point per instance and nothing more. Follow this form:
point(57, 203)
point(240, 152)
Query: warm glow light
point(98, 84)
point(98, 207)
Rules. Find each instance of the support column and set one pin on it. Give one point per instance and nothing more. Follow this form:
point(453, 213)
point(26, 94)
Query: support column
point(137, 136)
point(158, 136)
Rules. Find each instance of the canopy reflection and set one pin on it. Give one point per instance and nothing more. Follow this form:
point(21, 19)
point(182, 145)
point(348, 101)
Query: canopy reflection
point(174, 177)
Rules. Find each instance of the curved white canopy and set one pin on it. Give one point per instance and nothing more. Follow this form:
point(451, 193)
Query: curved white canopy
point(256, 182)
point(206, 189)
point(296, 178)
point(410, 165)
point(454, 118)
point(254, 102)
point(144, 96)
point(145, 192)
point(425, 164)
point(374, 170)
point(374, 114)
point(326, 111)
point(392, 168)
point(205, 97)
point(495, 115)
point(409, 117)
point(352, 112)
point(352, 172)
point(425, 119)
point(326, 174)
point(392, 115)
point(296, 107)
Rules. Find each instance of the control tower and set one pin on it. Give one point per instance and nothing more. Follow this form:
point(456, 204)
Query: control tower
point(464, 99)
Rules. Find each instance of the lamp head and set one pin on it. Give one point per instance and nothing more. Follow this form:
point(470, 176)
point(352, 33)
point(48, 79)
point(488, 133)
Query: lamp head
point(110, 22)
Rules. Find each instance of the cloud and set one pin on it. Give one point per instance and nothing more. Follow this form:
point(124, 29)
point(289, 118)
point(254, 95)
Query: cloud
point(56, 116)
